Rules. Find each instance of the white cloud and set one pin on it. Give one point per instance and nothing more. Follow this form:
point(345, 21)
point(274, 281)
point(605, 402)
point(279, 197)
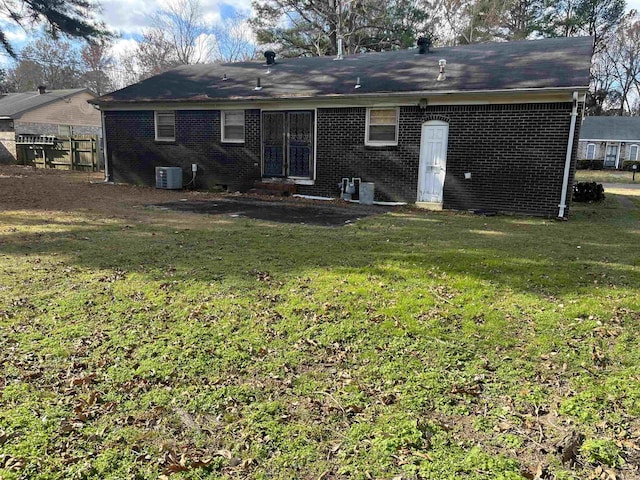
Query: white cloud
point(130, 17)
point(17, 36)
point(122, 46)
point(127, 17)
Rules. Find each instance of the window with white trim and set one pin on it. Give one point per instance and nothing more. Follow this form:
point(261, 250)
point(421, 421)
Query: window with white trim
point(165, 126)
point(591, 151)
point(233, 126)
point(633, 152)
point(382, 126)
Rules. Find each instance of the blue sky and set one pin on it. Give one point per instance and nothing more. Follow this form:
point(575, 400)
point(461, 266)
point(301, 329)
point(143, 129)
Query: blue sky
point(129, 17)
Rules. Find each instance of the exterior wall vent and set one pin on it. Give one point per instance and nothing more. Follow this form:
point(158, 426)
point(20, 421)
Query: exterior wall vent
point(169, 178)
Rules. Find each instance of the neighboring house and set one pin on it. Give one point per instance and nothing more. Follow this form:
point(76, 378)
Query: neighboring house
point(55, 112)
point(496, 130)
point(613, 140)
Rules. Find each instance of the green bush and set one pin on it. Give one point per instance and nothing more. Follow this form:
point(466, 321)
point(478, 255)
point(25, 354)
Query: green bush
point(588, 192)
point(627, 164)
point(585, 164)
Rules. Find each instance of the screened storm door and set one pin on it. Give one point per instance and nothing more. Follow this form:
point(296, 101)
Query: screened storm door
point(287, 144)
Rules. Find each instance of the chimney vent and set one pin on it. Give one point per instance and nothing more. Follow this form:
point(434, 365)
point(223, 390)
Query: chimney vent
point(42, 90)
point(424, 43)
point(270, 56)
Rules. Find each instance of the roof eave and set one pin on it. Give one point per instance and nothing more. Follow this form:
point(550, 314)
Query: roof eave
point(581, 89)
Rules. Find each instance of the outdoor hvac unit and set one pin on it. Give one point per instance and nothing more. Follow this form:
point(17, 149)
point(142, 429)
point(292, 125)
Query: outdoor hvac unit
point(169, 178)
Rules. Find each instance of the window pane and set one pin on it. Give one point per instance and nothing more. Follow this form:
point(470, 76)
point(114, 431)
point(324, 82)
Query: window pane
point(382, 117)
point(166, 131)
point(234, 118)
point(633, 152)
point(382, 133)
point(165, 124)
point(591, 151)
point(233, 132)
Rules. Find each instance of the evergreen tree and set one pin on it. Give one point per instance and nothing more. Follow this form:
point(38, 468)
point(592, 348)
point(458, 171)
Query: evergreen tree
point(308, 27)
point(68, 17)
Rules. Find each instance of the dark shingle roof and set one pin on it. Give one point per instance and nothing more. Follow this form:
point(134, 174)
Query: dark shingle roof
point(15, 104)
point(532, 64)
point(610, 128)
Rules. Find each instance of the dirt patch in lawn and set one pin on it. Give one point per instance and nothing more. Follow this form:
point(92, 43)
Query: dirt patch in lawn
point(23, 188)
point(324, 213)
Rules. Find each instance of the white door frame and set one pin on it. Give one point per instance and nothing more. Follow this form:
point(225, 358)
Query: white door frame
point(431, 203)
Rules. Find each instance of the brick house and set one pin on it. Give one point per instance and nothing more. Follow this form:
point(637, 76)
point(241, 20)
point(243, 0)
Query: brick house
point(491, 126)
point(614, 140)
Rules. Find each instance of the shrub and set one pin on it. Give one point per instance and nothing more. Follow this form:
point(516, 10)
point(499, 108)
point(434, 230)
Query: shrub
point(590, 164)
point(627, 164)
point(588, 192)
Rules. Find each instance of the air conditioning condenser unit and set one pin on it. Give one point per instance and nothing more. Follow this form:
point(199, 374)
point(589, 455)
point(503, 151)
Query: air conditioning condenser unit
point(169, 178)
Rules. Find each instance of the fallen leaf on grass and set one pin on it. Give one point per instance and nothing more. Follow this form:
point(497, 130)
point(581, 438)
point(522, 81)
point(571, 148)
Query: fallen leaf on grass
point(11, 463)
point(86, 380)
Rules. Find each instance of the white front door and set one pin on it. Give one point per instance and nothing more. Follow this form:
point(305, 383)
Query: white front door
point(433, 161)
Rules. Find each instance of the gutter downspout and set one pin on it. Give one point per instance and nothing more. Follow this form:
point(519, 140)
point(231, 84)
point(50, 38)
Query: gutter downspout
point(104, 148)
point(567, 162)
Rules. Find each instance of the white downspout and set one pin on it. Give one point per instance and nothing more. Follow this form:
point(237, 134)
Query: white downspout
point(104, 147)
point(567, 161)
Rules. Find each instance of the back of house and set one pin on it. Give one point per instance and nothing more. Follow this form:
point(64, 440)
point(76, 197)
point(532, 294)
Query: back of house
point(479, 127)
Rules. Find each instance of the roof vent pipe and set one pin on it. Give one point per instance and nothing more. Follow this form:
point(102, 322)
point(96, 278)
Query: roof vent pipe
point(424, 43)
point(270, 56)
point(42, 90)
point(442, 76)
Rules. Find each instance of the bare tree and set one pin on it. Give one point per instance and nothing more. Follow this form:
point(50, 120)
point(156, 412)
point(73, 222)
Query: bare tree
point(180, 36)
point(602, 92)
point(623, 51)
point(43, 62)
point(182, 28)
point(97, 61)
point(233, 41)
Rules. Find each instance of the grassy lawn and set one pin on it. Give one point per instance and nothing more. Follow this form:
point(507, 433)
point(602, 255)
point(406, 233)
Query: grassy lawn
point(410, 345)
point(606, 176)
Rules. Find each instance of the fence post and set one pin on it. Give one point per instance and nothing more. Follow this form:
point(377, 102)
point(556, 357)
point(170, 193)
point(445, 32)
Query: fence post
point(94, 156)
point(71, 156)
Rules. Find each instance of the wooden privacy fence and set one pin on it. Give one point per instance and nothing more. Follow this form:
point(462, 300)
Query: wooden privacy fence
point(78, 152)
